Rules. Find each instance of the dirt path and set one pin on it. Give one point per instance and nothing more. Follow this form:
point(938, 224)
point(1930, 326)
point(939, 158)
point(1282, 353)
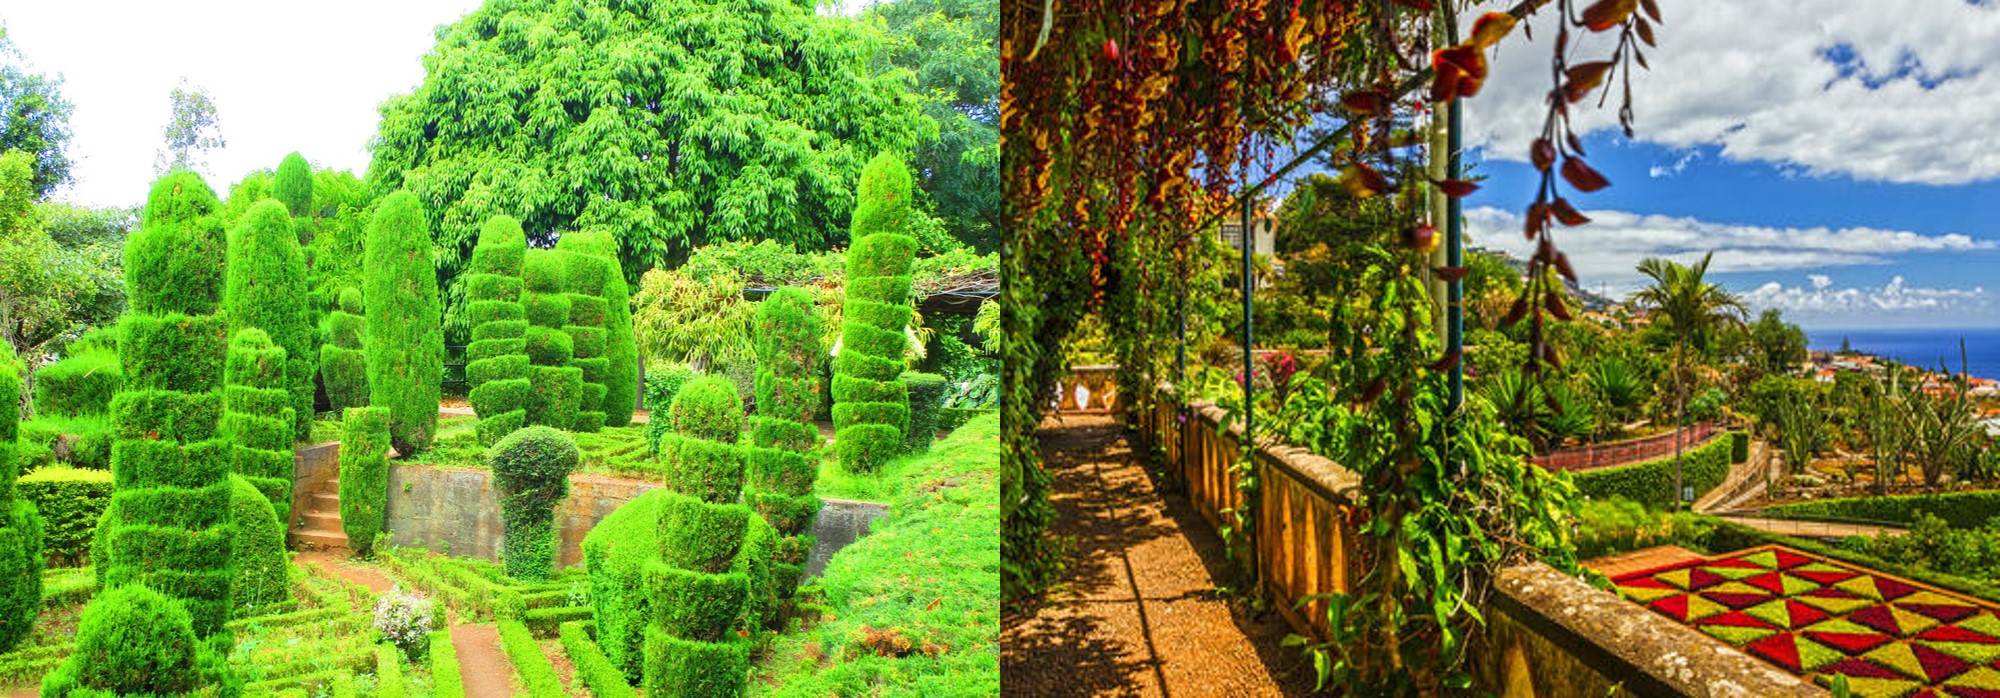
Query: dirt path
point(1137, 612)
point(481, 663)
point(340, 564)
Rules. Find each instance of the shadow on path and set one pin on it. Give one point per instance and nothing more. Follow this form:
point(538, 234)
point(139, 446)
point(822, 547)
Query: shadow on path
point(1137, 612)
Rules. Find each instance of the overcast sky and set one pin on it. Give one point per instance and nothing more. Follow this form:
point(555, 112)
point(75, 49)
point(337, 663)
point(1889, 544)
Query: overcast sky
point(1841, 157)
point(285, 75)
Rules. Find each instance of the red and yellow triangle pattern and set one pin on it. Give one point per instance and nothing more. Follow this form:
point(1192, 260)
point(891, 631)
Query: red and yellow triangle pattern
point(1819, 618)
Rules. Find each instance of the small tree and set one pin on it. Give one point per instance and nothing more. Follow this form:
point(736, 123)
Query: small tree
point(531, 467)
point(871, 409)
point(621, 353)
point(364, 475)
point(405, 343)
point(267, 290)
point(497, 360)
point(343, 359)
point(293, 185)
point(782, 469)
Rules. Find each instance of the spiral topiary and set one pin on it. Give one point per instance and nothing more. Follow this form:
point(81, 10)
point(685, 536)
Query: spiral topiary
point(870, 407)
point(531, 467)
point(781, 466)
point(343, 361)
point(257, 417)
point(586, 276)
point(555, 393)
point(497, 360)
point(621, 352)
point(405, 341)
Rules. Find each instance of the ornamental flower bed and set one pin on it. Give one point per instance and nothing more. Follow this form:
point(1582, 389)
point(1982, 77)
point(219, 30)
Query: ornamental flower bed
point(1820, 618)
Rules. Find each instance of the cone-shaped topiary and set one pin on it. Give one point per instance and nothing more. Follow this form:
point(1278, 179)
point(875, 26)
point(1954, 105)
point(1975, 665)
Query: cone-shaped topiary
point(136, 641)
point(293, 185)
point(262, 565)
point(170, 263)
point(21, 532)
point(621, 349)
point(555, 387)
point(781, 467)
point(343, 363)
point(702, 584)
point(870, 407)
point(257, 416)
point(364, 476)
point(497, 360)
point(405, 342)
point(267, 291)
point(531, 467)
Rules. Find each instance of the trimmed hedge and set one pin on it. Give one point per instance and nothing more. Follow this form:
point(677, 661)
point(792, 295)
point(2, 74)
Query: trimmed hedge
point(343, 359)
point(1739, 446)
point(781, 467)
point(135, 641)
point(526, 653)
point(405, 342)
point(531, 467)
point(950, 418)
point(1958, 509)
point(267, 291)
point(596, 670)
point(621, 352)
point(364, 475)
point(70, 501)
point(874, 316)
point(21, 536)
point(262, 565)
point(79, 385)
point(663, 382)
point(556, 387)
point(1651, 483)
point(926, 398)
point(445, 679)
point(257, 417)
point(497, 367)
point(81, 442)
point(170, 263)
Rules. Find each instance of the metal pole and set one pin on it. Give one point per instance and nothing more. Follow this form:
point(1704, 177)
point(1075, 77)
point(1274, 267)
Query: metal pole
point(1249, 348)
point(1455, 257)
point(1180, 352)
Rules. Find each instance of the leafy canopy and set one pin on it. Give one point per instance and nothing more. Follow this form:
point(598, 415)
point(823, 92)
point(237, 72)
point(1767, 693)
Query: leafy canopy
point(34, 118)
point(671, 124)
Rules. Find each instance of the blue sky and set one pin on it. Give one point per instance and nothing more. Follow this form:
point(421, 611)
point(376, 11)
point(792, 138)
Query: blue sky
point(1845, 167)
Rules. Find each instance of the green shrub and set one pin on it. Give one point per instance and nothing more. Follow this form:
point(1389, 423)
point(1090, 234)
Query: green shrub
point(621, 378)
point(1957, 509)
point(170, 264)
point(1652, 483)
point(950, 418)
point(21, 565)
point(555, 394)
point(135, 641)
point(707, 408)
point(445, 679)
point(70, 501)
point(81, 442)
point(172, 352)
point(389, 672)
point(405, 342)
point(781, 468)
point(663, 382)
point(262, 565)
point(926, 396)
point(615, 554)
point(1739, 446)
point(603, 678)
point(497, 368)
point(526, 653)
point(531, 467)
point(257, 417)
point(364, 475)
point(79, 385)
point(267, 290)
point(343, 359)
point(293, 185)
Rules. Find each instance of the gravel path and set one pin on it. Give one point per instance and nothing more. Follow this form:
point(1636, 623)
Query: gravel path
point(1137, 613)
point(484, 668)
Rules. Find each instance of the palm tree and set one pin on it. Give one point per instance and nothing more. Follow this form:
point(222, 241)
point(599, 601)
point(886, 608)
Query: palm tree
point(1693, 309)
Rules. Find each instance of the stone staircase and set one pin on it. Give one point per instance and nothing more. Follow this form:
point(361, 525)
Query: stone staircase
point(318, 524)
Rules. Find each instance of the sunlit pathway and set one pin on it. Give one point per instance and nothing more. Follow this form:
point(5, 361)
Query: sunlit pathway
point(1812, 529)
point(1137, 613)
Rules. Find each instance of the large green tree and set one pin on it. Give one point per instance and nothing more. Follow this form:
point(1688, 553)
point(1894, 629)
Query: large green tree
point(34, 118)
point(59, 264)
point(671, 124)
point(950, 49)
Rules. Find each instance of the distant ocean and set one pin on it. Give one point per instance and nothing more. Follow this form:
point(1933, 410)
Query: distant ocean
point(1921, 347)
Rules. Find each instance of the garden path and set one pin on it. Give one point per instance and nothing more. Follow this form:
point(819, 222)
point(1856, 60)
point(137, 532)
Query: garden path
point(485, 669)
point(1137, 612)
point(1812, 529)
point(1641, 560)
point(347, 569)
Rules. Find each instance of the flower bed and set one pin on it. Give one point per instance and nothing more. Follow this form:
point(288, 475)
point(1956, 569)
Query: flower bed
point(1820, 619)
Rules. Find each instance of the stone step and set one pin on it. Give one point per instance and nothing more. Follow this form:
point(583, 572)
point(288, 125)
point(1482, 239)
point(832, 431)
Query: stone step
point(322, 501)
point(323, 539)
point(328, 520)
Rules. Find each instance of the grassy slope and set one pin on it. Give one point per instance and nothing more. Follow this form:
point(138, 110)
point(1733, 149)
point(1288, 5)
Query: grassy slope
point(913, 608)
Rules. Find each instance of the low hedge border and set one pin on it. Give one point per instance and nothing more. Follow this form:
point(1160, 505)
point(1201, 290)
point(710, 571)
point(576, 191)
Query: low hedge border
point(445, 680)
point(1651, 483)
point(949, 418)
point(592, 667)
point(526, 653)
point(389, 682)
point(544, 622)
point(1959, 509)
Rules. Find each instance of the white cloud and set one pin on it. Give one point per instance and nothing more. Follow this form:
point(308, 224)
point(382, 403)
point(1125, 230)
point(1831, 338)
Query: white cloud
point(1894, 298)
point(1754, 77)
point(1607, 250)
point(285, 76)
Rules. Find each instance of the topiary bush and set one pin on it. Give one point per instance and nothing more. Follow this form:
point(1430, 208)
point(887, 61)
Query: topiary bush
point(262, 565)
point(556, 388)
point(405, 343)
point(343, 360)
point(364, 475)
point(82, 442)
point(497, 360)
point(79, 385)
point(257, 417)
point(70, 501)
point(701, 579)
point(621, 352)
point(585, 276)
point(531, 467)
point(170, 263)
point(21, 536)
point(135, 641)
point(663, 382)
point(781, 470)
point(926, 397)
point(874, 315)
point(293, 185)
